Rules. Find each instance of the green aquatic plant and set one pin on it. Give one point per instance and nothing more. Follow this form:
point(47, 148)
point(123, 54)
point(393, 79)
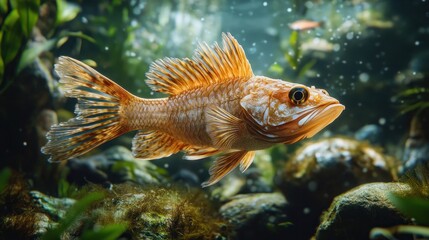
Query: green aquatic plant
point(414, 99)
point(5, 174)
point(66, 189)
point(16, 28)
point(73, 215)
point(293, 56)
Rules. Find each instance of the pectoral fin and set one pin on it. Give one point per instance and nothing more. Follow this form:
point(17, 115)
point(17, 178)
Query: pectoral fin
point(226, 163)
point(223, 127)
point(155, 144)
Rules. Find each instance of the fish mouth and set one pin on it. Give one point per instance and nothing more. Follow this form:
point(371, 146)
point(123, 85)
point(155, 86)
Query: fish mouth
point(319, 118)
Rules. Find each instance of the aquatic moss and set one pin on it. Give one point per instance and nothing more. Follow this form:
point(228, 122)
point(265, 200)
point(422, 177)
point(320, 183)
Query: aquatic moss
point(18, 213)
point(156, 213)
point(417, 182)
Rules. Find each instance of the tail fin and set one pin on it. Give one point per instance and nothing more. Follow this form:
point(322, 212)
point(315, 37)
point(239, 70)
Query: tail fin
point(99, 108)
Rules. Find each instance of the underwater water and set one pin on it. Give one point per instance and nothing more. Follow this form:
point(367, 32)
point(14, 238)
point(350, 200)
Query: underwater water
point(363, 175)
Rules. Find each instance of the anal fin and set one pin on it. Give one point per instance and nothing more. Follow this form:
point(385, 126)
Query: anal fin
point(155, 144)
point(226, 163)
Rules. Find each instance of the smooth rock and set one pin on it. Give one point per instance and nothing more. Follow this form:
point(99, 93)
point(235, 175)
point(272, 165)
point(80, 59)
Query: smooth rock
point(56, 208)
point(353, 214)
point(257, 216)
point(321, 170)
point(115, 165)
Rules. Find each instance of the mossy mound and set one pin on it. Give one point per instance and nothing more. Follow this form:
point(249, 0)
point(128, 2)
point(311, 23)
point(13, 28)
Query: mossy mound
point(20, 218)
point(156, 213)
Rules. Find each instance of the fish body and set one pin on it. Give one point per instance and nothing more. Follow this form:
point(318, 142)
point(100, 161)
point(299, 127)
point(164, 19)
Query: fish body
point(216, 105)
point(303, 24)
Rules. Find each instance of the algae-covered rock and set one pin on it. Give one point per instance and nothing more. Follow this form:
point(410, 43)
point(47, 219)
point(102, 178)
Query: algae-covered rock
point(56, 208)
point(115, 165)
point(156, 213)
point(20, 216)
point(257, 216)
point(321, 170)
point(353, 214)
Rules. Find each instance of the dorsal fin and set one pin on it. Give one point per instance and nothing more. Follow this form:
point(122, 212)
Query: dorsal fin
point(209, 65)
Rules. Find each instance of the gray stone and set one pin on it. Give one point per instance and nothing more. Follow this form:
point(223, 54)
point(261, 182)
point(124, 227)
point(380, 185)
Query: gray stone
point(56, 208)
point(353, 214)
point(370, 132)
point(256, 216)
point(115, 165)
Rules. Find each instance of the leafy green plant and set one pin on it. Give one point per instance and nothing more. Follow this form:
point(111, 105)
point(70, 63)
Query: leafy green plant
point(65, 189)
point(72, 215)
point(20, 18)
point(293, 57)
point(413, 207)
point(414, 99)
point(4, 178)
point(130, 165)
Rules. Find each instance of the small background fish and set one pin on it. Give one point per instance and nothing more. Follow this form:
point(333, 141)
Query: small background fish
point(216, 105)
point(303, 24)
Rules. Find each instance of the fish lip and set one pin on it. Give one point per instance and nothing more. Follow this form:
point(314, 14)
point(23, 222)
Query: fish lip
point(325, 116)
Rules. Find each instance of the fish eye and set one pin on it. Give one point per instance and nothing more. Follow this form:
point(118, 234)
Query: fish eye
point(298, 95)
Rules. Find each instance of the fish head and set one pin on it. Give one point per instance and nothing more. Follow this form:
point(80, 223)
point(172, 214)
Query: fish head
point(288, 112)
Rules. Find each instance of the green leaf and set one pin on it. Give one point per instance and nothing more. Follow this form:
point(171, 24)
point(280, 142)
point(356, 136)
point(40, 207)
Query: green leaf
point(293, 39)
point(293, 63)
point(72, 216)
point(413, 91)
point(4, 178)
point(12, 37)
point(413, 207)
point(1, 61)
point(276, 68)
point(28, 14)
point(306, 67)
point(131, 166)
point(414, 107)
point(3, 6)
point(108, 232)
point(14, 4)
point(66, 11)
point(31, 53)
point(78, 35)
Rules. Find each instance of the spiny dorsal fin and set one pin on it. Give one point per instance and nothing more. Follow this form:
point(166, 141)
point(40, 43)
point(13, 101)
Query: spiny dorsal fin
point(154, 144)
point(209, 65)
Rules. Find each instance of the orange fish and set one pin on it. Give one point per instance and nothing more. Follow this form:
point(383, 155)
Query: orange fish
point(215, 106)
point(302, 25)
